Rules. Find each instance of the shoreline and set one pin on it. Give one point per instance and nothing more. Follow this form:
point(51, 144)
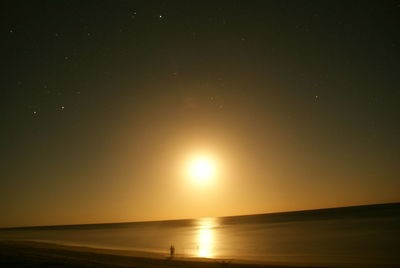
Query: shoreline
point(19, 253)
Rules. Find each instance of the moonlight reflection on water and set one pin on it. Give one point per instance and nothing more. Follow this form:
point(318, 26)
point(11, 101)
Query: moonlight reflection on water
point(206, 237)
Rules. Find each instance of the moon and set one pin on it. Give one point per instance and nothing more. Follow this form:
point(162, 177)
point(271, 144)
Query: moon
point(201, 169)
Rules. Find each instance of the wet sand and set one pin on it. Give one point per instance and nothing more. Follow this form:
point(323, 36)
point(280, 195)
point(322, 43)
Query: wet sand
point(38, 254)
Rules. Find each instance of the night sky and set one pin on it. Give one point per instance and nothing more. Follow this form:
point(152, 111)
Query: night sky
point(101, 101)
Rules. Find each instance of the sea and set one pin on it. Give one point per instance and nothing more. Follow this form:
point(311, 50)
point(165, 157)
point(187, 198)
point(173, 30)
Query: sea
point(347, 236)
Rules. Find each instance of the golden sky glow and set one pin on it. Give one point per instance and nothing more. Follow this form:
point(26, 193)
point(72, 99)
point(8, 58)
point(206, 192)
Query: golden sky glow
point(132, 112)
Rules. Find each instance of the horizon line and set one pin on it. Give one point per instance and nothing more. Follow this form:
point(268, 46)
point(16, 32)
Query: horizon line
point(182, 219)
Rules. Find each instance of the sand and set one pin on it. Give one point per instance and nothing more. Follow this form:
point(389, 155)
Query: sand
point(38, 254)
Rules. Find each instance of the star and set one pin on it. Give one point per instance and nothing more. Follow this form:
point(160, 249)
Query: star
point(60, 109)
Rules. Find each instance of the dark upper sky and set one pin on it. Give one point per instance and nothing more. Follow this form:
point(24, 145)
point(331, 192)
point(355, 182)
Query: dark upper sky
point(100, 101)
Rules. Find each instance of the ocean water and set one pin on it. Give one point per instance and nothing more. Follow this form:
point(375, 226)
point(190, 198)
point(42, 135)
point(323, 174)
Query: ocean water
point(350, 235)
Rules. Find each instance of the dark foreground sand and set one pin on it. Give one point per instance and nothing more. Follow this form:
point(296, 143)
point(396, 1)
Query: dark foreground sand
point(35, 254)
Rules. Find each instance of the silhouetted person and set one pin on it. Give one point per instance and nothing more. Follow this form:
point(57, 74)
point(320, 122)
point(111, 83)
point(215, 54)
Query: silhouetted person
point(171, 251)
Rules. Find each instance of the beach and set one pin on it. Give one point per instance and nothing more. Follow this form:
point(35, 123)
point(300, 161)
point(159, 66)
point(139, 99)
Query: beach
point(39, 254)
point(362, 236)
